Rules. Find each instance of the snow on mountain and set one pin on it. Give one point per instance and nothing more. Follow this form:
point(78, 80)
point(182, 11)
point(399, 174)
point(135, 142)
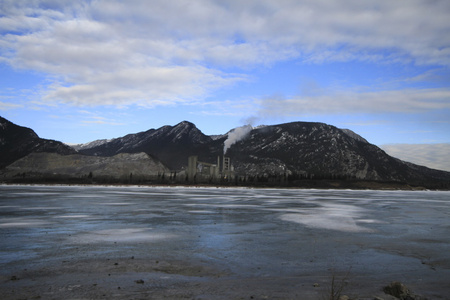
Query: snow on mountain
point(90, 144)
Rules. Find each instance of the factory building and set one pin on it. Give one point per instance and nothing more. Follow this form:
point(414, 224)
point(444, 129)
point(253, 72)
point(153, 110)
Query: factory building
point(204, 171)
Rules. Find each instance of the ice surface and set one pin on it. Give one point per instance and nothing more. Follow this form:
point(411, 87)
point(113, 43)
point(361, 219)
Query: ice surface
point(41, 208)
point(290, 237)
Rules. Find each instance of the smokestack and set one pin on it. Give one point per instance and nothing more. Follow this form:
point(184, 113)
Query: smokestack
point(236, 135)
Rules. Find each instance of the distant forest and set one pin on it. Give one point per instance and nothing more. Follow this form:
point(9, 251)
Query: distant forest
point(274, 181)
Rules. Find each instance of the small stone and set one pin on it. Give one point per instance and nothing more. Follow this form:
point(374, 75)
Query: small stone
point(139, 281)
point(14, 277)
point(397, 289)
point(316, 285)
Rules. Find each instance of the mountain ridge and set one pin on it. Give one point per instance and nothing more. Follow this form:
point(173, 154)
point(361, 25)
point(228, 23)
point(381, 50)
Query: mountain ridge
point(302, 148)
point(18, 141)
point(292, 150)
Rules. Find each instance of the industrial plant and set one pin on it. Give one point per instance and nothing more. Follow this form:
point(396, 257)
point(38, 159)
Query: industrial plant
point(200, 171)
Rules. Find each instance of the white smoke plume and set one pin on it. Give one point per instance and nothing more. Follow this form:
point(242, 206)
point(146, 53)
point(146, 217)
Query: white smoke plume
point(236, 135)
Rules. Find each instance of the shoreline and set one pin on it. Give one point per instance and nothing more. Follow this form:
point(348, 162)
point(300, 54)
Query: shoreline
point(306, 185)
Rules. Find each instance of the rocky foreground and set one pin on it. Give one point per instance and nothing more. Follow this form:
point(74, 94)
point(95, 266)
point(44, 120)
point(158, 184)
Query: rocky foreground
point(193, 282)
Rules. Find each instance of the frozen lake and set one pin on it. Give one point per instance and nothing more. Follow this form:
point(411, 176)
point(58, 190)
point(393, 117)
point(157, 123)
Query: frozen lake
point(94, 242)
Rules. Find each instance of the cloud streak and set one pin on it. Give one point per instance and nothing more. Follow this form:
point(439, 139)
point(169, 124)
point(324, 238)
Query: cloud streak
point(390, 101)
point(7, 106)
point(435, 156)
point(120, 53)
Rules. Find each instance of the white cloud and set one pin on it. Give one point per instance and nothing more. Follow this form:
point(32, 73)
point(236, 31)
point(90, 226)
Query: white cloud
point(85, 117)
point(148, 86)
point(393, 101)
point(436, 156)
point(163, 52)
point(7, 106)
point(100, 120)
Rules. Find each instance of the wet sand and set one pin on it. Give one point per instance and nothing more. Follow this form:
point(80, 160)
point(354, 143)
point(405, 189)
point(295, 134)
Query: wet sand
point(206, 243)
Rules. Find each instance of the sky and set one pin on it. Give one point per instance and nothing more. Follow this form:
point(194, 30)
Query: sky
point(77, 71)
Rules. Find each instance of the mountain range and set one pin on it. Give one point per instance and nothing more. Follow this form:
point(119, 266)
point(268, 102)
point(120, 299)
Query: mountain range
point(294, 150)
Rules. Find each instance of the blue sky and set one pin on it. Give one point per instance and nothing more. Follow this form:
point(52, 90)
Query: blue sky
point(77, 71)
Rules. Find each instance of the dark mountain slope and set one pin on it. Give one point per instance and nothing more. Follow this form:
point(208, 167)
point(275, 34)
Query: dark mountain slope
point(170, 144)
point(321, 150)
point(17, 142)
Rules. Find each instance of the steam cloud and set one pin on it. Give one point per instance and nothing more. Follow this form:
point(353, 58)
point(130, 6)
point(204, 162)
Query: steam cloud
point(236, 135)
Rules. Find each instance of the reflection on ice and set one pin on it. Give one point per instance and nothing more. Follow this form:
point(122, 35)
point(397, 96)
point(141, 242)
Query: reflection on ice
point(22, 222)
point(371, 221)
point(41, 208)
point(201, 212)
point(74, 216)
point(35, 193)
point(122, 235)
point(116, 203)
point(339, 217)
point(326, 221)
